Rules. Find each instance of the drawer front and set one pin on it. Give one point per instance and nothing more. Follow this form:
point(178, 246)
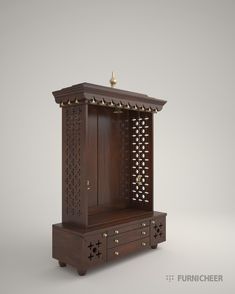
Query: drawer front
point(143, 224)
point(128, 237)
point(123, 250)
point(123, 229)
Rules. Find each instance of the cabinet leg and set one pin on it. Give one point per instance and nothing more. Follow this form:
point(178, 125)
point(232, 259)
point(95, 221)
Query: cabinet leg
point(81, 272)
point(62, 264)
point(154, 246)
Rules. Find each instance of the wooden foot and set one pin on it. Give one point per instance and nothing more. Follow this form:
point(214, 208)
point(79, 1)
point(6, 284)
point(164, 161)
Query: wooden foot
point(81, 272)
point(62, 264)
point(154, 246)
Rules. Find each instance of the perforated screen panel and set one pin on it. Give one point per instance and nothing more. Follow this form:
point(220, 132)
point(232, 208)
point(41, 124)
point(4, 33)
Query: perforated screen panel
point(141, 159)
point(72, 156)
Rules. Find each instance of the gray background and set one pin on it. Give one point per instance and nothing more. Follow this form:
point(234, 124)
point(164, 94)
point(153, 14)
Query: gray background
point(181, 51)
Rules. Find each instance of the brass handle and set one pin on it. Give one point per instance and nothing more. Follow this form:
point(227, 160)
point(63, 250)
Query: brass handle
point(143, 233)
point(143, 244)
point(143, 224)
point(88, 185)
point(116, 241)
point(116, 253)
point(116, 232)
point(105, 235)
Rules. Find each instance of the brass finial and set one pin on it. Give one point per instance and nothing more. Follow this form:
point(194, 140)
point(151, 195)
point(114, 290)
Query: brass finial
point(113, 80)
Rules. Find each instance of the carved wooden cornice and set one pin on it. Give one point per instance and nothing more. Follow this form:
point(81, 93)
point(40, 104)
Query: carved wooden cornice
point(109, 97)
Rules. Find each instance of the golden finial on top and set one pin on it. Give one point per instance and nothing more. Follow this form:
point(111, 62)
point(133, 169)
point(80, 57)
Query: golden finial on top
point(113, 80)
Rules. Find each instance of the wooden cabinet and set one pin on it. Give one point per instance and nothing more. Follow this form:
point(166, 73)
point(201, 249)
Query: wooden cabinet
point(107, 176)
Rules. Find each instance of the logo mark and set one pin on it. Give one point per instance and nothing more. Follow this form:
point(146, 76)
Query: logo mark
point(170, 278)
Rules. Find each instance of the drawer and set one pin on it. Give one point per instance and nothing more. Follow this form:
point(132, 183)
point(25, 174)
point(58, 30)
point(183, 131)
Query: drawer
point(119, 230)
point(123, 229)
point(143, 224)
point(128, 237)
point(125, 249)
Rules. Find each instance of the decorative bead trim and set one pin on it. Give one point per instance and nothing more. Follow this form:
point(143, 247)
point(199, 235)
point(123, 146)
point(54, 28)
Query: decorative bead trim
point(102, 102)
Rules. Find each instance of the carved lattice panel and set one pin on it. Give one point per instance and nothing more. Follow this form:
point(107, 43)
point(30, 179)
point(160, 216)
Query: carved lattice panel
point(72, 157)
point(95, 248)
point(158, 230)
point(141, 160)
point(125, 157)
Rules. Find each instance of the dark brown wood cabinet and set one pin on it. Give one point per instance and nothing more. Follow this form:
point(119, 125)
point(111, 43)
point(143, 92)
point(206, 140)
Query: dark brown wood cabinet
point(107, 176)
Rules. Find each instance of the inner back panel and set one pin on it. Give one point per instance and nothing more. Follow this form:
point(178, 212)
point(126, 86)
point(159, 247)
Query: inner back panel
point(109, 159)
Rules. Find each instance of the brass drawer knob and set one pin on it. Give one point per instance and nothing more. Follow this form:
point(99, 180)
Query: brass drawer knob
point(143, 224)
point(116, 253)
point(116, 241)
point(116, 232)
point(143, 233)
point(105, 235)
point(153, 222)
point(143, 244)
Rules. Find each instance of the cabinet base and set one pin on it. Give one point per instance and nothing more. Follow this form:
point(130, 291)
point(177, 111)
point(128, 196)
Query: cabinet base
point(87, 248)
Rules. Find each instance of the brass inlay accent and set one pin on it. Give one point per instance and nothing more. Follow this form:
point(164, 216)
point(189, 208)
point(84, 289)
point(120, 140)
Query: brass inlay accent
point(139, 180)
point(117, 111)
point(88, 185)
